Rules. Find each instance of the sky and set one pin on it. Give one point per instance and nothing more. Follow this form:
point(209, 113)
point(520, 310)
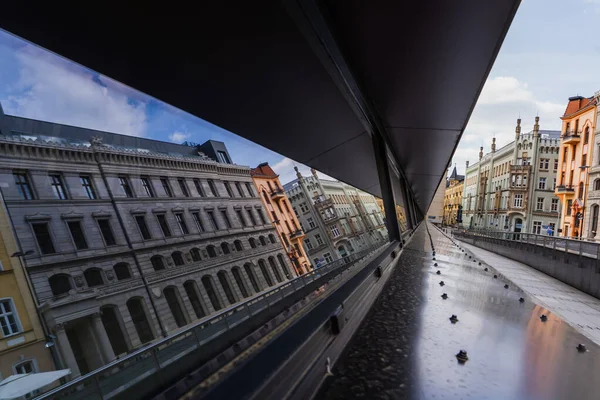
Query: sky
point(550, 53)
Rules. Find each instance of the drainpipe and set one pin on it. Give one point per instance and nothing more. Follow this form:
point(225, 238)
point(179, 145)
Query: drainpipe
point(128, 240)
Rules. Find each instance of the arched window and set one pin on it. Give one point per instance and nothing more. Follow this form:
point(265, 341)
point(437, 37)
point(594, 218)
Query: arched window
point(158, 262)
point(237, 275)
point(252, 242)
point(212, 253)
point(195, 253)
point(272, 238)
point(172, 298)
point(250, 272)
point(225, 248)
point(191, 289)
point(222, 275)
point(274, 269)
point(60, 284)
point(93, 277)
point(122, 271)
point(109, 316)
point(597, 184)
point(586, 135)
point(137, 311)
point(263, 269)
point(177, 257)
point(284, 266)
point(210, 291)
point(263, 241)
point(238, 245)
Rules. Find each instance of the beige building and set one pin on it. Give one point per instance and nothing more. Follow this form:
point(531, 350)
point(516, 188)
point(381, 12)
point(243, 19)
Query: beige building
point(453, 198)
point(435, 213)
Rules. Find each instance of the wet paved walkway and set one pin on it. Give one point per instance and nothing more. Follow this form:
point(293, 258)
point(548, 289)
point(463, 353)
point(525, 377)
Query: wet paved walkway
point(406, 347)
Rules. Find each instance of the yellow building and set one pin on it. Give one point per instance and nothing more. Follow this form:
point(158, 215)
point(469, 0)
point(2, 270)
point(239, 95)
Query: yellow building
point(22, 341)
point(280, 212)
point(453, 198)
point(575, 157)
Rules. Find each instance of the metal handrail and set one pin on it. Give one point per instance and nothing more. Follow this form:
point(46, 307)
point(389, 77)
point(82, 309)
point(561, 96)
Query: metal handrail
point(97, 379)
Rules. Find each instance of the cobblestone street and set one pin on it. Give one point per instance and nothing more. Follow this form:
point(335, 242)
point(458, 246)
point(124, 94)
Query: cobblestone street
point(406, 347)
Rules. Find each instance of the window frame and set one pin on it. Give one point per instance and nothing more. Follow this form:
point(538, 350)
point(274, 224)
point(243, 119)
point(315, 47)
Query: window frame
point(164, 181)
point(199, 188)
point(28, 194)
point(141, 231)
point(14, 313)
point(148, 187)
point(213, 187)
point(58, 186)
point(88, 187)
point(83, 237)
point(168, 232)
point(184, 188)
point(112, 232)
point(50, 237)
point(180, 219)
point(125, 185)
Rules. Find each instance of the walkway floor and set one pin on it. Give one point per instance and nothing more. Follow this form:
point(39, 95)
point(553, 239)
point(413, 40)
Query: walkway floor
point(406, 346)
point(576, 308)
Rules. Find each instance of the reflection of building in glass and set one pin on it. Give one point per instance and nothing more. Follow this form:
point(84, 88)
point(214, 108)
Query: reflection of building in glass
point(453, 198)
point(281, 215)
point(512, 188)
point(22, 339)
point(435, 212)
point(131, 238)
point(337, 218)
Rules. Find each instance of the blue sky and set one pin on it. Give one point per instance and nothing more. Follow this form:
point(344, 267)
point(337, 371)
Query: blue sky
point(550, 53)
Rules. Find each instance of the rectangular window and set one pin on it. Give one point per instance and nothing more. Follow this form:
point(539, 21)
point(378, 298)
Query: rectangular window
point(319, 239)
point(569, 205)
point(327, 257)
point(544, 163)
point(303, 207)
point(228, 189)
point(164, 225)
point(198, 221)
point(199, 189)
point(551, 228)
point(125, 187)
point(213, 221)
point(166, 186)
point(57, 187)
point(222, 156)
point(213, 188)
point(241, 217)
point(147, 185)
point(181, 222)
point(554, 205)
point(554, 184)
point(518, 201)
point(311, 223)
point(555, 164)
point(77, 235)
point(251, 215)
point(26, 367)
point(261, 216)
point(226, 218)
point(183, 187)
point(141, 223)
point(8, 318)
point(23, 186)
point(249, 189)
point(540, 204)
point(584, 160)
point(86, 183)
point(308, 244)
point(335, 231)
point(238, 186)
point(107, 233)
point(542, 184)
point(537, 227)
point(44, 240)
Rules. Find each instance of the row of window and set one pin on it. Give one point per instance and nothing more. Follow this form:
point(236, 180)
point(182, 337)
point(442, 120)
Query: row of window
point(45, 242)
point(26, 191)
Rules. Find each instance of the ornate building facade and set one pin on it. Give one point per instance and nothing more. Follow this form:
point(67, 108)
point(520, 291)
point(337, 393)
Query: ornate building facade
point(575, 159)
point(131, 239)
point(512, 188)
point(453, 196)
point(337, 218)
point(281, 215)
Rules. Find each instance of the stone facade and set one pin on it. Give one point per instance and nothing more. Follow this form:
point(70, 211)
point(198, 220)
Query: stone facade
point(593, 191)
point(337, 218)
point(512, 189)
point(130, 244)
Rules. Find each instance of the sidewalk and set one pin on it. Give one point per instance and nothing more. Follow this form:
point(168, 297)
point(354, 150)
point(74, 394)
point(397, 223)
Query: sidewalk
point(578, 309)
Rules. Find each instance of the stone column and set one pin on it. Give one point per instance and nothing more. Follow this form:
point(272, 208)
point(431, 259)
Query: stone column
point(105, 347)
point(64, 346)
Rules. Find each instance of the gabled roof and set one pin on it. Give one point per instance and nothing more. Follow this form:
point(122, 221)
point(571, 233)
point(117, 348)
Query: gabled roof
point(263, 170)
point(577, 104)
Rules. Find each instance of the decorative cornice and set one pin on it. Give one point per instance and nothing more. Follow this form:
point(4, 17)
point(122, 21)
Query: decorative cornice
point(38, 217)
point(71, 215)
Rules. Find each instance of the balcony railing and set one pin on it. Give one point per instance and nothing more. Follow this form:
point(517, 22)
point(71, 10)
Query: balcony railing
point(277, 193)
point(565, 189)
point(296, 234)
point(571, 137)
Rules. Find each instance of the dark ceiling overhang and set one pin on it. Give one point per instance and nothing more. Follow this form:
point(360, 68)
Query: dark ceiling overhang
point(309, 79)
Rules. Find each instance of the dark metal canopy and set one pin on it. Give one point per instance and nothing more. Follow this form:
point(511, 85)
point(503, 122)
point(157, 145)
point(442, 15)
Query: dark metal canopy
point(309, 79)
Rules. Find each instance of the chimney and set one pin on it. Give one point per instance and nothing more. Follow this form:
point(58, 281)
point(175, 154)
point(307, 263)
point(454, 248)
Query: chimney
point(518, 129)
point(480, 153)
point(493, 145)
point(536, 127)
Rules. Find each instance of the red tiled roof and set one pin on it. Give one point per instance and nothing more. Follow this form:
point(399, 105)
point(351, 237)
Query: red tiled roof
point(263, 169)
point(578, 103)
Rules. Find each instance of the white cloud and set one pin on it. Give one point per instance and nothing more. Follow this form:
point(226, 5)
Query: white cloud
point(285, 169)
point(501, 102)
point(178, 137)
point(50, 88)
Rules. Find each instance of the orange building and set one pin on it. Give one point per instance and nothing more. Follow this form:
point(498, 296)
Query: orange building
point(280, 212)
point(575, 157)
